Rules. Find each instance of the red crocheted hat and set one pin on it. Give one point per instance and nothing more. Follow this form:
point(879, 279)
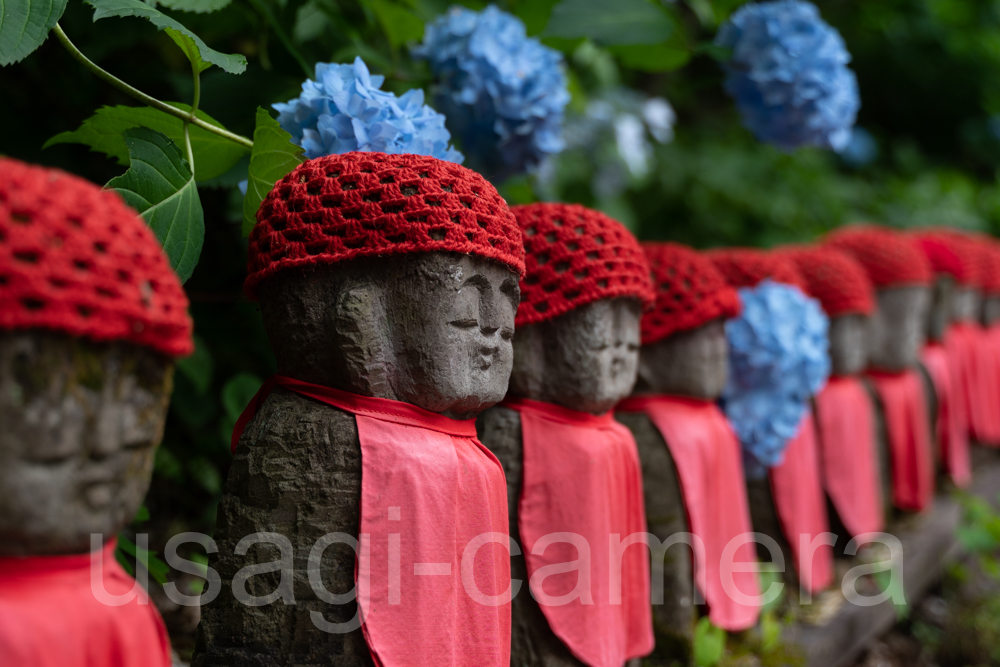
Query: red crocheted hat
point(339, 207)
point(75, 259)
point(991, 285)
point(890, 258)
point(574, 256)
point(949, 253)
point(745, 267)
point(833, 277)
point(690, 292)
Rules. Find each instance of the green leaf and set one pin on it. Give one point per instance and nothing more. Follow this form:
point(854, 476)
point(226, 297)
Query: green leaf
point(234, 64)
point(156, 567)
point(142, 515)
point(618, 22)
point(709, 643)
point(206, 474)
point(655, 58)
point(238, 392)
point(24, 25)
point(770, 632)
point(273, 157)
point(213, 155)
point(196, 6)
point(159, 185)
point(198, 367)
point(189, 48)
point(400, 24)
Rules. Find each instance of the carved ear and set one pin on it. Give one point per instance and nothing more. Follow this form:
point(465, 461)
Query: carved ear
point(360, 337)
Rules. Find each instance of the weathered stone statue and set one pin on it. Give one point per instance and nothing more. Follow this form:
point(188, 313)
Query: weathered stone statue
point(845, 421)
point(692, 469)
point(91, 320)
point(388, 286)
point(902, 278)
point(779, 442)
point(571, 469)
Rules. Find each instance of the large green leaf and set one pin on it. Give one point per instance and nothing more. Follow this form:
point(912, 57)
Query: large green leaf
point(196, 6)
point(24, 25)
point(213, 155)
point(159, 185)
point(618, 22)
point(273, 157)
point(190, 49)
point(234, 64)
point(400, 24)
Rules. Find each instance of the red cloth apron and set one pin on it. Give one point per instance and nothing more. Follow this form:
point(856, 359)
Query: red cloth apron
point(50, 616)
point(952, 433)
point(908, 431)
point(581, 475)
point(850, 459)
point(801, 506)
point(434, 585)
point(710, 466)
point(967, 344)
point(988, 362)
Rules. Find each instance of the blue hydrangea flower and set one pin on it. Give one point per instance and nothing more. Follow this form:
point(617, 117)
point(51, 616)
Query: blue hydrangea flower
point(779, 357)
point(343, 110)
point(861, 150)
point(789, 75)
point(503, 93)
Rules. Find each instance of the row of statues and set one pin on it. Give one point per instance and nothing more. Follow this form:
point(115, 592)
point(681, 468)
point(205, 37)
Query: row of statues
point(498, 435)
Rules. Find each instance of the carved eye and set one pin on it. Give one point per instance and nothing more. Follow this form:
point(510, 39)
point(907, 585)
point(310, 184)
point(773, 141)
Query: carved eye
point(465, 324)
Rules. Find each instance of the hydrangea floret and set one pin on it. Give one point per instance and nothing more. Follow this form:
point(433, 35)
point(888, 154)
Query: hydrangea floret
point(344, 110)
point(779, 357)
point(788, 74)
point(503, 92)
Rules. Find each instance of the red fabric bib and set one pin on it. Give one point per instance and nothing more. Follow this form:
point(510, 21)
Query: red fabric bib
point(430, 495)
point(909, 438)
point(582, 475)
point(798, 497)
point(992, 343)
point(50, 617)
point(850, 460)
point(952, 433)
point(978, 398)
point(710, 466)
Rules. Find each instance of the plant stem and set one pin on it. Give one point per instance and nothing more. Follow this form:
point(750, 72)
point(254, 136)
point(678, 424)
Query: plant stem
point(143, 97)
point(196, 75)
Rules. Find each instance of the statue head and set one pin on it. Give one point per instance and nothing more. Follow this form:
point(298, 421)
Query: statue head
point(393, 276)
point(902, 277)
point(847, 297)
point(991, 280)
point(684, 350)
point(91, 320)
point(587, 282)
point(953, 261)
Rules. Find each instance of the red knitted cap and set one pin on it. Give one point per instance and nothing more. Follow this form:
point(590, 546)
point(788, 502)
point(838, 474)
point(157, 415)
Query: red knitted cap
point(690, 292)
point(890, 258)
point(949, 253)
point(574, 256)
point(339, 207)
point(991, 255)
point(833, 277)
point(74, 258)
point(745, 267)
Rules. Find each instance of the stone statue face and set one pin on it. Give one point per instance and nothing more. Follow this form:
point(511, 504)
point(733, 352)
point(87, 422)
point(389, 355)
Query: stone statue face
point(433, 329)
point(991, 309)
point(81, 422)
point(691, 363)
point(898, 327)
point(967, 305)
point(848, 344)
point(585, 359)
point(942, 306)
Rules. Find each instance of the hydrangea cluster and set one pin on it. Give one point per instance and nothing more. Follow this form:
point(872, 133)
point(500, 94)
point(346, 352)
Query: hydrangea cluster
point(779, 357)
point(789, 75)
point(343, 110)
point(503, 93)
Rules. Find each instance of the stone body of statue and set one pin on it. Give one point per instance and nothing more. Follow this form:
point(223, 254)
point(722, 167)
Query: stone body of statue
point(570, 467)
point(92, 319)
point(388, 286)
point(902, 278)
point(692, 469)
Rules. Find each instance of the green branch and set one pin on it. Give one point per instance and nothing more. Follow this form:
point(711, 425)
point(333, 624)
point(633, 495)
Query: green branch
point(143, 97)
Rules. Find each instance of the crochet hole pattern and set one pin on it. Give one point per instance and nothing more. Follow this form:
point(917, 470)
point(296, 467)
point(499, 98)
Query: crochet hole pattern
point(574, 256)
point(338, 207)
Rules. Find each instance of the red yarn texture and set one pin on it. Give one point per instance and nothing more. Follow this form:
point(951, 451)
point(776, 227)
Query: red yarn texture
point(575, 256)
point(75, 259)
point(833, 277)
point(340, 207)
point(950, 253)
point(890, 258)
point(745, 267)
point(690, 292)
